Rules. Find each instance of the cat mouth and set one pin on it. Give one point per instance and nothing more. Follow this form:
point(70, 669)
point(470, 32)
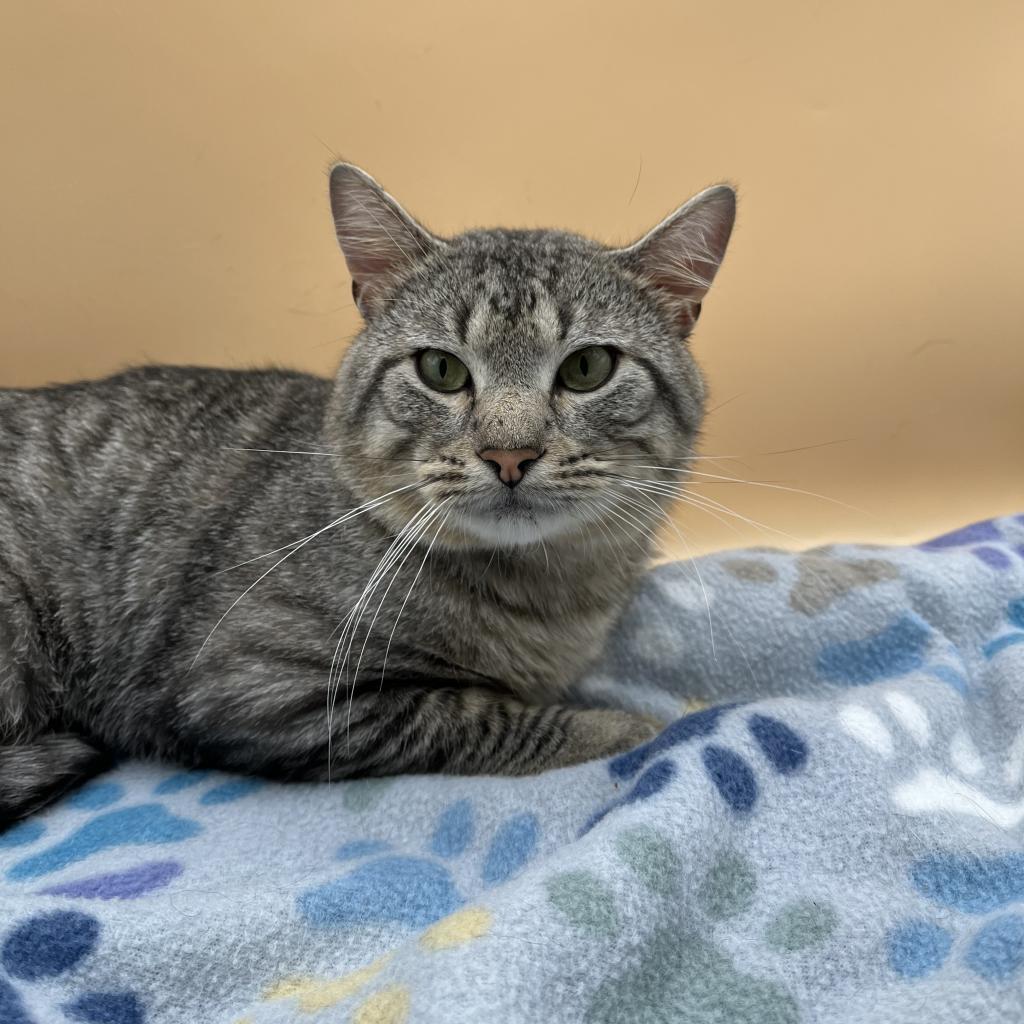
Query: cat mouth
point(515, 520)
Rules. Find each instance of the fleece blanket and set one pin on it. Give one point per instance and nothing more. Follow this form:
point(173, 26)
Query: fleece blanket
point(830, 830)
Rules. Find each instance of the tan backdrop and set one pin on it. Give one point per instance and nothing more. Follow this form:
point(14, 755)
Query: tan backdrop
point(162, 197)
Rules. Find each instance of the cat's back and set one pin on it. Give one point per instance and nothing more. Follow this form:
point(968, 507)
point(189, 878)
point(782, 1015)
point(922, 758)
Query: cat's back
point(155, 399)
point(68, 450)
point(150, 411)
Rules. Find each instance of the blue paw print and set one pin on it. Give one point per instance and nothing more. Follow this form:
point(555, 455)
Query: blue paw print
point(893, 651)
point(142, 825)
point(223, 793)
point(415, 891)
point(970, 885)
point(896, 649)
point(1015, 616)
point(48, 946)
point(43, 948)
point(732, 776)
point(179, 781)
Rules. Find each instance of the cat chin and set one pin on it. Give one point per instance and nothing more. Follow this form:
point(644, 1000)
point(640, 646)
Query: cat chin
point(518, 530)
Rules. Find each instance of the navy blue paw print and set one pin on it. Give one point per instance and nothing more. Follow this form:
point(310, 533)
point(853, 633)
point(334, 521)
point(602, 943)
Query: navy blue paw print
point(417, 890)
point(973, 885)
point(730, 773)
point(47, 946)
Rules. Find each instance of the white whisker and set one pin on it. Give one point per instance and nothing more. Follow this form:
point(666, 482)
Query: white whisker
point(405, 539)
point(323, 455)
point(779, 487)
point(298, 546)
point(350, 514)
point(693, 562)
point(430, 547)
point(409, 547)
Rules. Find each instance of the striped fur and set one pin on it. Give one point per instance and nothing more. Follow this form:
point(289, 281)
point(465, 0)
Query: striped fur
point(266, 571)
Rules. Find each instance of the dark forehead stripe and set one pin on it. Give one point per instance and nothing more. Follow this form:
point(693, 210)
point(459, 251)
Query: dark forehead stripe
point(461, 314)
point(502, 279)
point(519, 256)
point(566, 317)
point(506, 302)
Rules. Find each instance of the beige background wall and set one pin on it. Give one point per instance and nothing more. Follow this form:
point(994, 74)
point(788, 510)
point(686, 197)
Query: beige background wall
point(162, 197)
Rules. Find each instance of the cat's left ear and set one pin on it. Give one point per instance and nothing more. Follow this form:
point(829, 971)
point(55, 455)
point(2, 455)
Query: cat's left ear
point(680, 257)
point(381, 242)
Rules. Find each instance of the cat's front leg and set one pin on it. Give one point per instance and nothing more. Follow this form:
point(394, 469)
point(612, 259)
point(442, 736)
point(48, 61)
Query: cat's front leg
point(414, 728)
point(476, 731)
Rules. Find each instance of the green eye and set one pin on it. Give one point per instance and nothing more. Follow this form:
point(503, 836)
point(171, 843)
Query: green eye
point(441, 370)
point(587, 369)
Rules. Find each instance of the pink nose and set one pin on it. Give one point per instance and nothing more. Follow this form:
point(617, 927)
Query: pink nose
point(511, 465)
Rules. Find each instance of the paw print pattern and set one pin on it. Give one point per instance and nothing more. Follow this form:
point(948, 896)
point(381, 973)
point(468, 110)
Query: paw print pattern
point(822, 578)
point(892, 651)
point(143, 825)
point(390, 1004)
point(931, 790)
point(680, 974)
point(729, 772)
point(729, 889)
point(984, 540)
point(46, 947)
point(50, 946)
point(416, 890)
point(969, 884)
point(906, 644)
point(1014, 635)
point(985, 886)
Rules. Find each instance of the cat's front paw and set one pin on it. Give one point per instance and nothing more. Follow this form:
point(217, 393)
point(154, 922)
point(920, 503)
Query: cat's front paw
point(597, 733)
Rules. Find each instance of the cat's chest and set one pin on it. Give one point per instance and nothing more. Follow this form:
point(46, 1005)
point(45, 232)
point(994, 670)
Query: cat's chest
point(536, 647)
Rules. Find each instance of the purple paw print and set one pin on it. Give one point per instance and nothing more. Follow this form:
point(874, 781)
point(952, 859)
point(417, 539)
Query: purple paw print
point(985, 541)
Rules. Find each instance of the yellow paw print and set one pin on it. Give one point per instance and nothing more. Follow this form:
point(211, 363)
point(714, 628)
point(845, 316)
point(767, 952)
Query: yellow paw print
point(314, 994)
point(389, 1005)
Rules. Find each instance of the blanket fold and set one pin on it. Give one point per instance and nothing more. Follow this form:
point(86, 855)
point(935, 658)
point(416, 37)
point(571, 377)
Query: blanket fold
point(831, 829)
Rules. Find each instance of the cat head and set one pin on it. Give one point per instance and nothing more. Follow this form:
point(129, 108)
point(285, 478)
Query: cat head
point(519, 384)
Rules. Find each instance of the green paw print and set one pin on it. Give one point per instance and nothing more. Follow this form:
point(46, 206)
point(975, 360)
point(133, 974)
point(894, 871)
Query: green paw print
point(679, 974)
point(362, 794)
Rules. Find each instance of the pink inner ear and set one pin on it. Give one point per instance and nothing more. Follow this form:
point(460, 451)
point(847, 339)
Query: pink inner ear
point(682, 284)
point(378, 247)
point(379, 239)
point(681, 256)
point(364, 265)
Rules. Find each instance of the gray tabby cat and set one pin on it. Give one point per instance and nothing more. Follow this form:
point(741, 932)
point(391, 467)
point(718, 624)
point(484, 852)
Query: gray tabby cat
point(400, 570)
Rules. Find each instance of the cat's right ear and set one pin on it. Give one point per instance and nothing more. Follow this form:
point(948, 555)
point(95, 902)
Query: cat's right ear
point(680, 257)
point(380, 241)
